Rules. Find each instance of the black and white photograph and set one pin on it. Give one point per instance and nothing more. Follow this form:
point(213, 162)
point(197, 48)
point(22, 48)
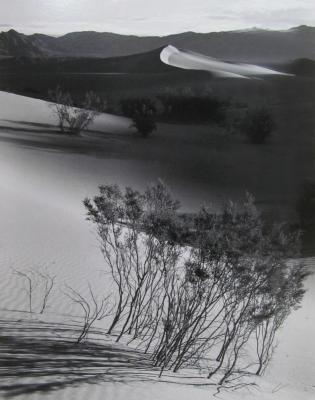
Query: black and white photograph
point(157, 199)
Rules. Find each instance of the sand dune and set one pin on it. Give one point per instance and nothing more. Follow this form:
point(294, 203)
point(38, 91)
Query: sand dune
point(43, 225)
point(189, 60)
point(16, 108)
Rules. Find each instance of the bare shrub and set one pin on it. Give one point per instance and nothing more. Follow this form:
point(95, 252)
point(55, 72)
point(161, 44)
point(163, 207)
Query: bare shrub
point(38, 280)
point(74, 120)
point(30, 285)
point(260, 283)
point(48, 282)
point(198, 289)
point(131, 231)
point(93, 309)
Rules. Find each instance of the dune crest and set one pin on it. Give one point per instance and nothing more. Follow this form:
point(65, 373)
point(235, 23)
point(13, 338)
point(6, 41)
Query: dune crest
point(186, 59)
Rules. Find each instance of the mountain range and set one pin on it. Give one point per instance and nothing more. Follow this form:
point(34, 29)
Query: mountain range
point(256, 45)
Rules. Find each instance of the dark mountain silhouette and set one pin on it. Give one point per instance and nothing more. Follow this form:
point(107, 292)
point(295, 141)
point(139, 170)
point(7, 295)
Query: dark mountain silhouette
point(255, 45)
point(13, 43)
point(148, 62)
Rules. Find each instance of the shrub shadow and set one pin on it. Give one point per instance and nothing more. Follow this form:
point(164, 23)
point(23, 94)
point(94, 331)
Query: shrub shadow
point(36, 357)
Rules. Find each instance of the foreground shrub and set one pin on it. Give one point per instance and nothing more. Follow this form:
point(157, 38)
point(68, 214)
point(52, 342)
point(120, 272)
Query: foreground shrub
point(200, 289)
point(142, 111)
point(257, 125)
point(73, 120)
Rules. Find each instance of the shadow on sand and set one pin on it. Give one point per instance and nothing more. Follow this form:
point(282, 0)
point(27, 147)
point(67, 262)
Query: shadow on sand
point(29, 127)
point(45, 137)
point(42, 357)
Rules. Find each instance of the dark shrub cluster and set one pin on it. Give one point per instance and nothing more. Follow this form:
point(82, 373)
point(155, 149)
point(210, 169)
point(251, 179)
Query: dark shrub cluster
point(306, 203)
point(257, 125)
point(189, 108)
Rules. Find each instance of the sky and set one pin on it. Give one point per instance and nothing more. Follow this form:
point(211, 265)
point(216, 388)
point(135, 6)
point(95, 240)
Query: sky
point(152, 17)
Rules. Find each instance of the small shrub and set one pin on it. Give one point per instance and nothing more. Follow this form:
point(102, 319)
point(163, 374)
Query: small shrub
point(74, 120)
point(40, 281)
point(142, 111)
point(144, 123)
point(257, 125)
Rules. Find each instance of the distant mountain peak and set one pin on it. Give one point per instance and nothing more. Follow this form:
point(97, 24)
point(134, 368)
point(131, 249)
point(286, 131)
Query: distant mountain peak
point(14, 32)
point(252, 29)
point(303, 28)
